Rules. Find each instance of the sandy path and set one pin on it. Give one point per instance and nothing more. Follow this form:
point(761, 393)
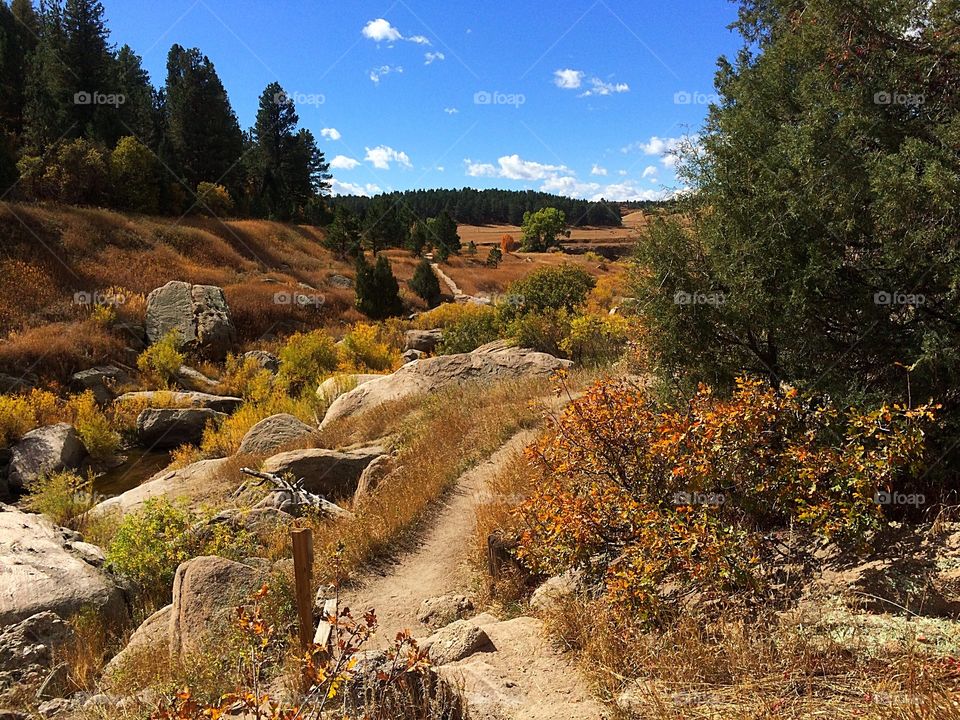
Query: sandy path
point(447, 280)
point(438, 564)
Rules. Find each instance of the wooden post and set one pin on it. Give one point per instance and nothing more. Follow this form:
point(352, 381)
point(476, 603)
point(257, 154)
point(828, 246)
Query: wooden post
point(303, 575)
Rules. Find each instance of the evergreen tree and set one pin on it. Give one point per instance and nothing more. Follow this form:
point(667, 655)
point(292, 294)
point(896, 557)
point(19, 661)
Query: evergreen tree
point(343, 236)
point(378, 294)
point(18, 30)
point(419, 238)
point(47, 110)
point(425, 283)
point(387, 224)
point(137, 115)
point(88, 72)
point(445, 237)
point(203, 136)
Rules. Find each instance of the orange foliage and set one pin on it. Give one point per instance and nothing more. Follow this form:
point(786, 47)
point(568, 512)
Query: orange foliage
point(508, 244)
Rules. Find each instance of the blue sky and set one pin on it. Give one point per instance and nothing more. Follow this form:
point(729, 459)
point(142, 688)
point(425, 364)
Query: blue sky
point(577, 97)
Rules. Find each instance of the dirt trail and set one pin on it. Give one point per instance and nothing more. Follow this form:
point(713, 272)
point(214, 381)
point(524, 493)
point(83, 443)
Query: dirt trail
point(438, 565)
point(447, 280)
point(519, 675)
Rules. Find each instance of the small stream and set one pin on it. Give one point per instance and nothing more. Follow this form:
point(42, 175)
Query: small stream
point(140, 465)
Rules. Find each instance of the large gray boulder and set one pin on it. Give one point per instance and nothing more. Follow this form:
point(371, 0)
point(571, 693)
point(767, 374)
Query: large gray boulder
point(205, 592)
point(40, 571)
point(330, 473)
point(161, 429)
point(423, 340)
point(332, 388)
point(101, 381)
point(42, 451)
point(274, 432)
point(192, 482)
point(198, 313)
point(438, 373)
point(27, 649)
point(163, 398)
point(266, 360)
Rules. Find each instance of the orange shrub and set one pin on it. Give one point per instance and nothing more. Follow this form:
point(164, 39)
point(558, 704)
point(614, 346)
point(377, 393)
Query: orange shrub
point(508, 244)
point(640, 496)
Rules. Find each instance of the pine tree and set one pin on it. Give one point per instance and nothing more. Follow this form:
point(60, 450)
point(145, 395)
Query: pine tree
point(47, 111)
point(378, 294)
point(202, 133)
point(425, 283)
point(445, 237)
point(137, 115)
point(419, 238)
point(343, 236)
point(88, 70)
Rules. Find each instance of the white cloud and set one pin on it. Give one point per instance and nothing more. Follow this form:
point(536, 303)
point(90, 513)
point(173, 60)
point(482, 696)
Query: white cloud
point(650, 171)
point(440, 168)
point(342, 188)
point(342, 162)
point(381, 157)
point(331, 134)
point(419, 40)
point(381, 30)
point(560, 180)
point(604, 88)
point(480, 169)
point(379, 72)
point(568, 79)
point(432, 56)
point(622, 173)
point(451, 111)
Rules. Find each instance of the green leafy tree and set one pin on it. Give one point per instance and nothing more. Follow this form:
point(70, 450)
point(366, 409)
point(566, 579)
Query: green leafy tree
point(542, 230)
point(551, 288)
point(135, 175)
point(425, 283)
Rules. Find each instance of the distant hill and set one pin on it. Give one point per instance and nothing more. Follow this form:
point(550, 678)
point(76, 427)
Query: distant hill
point(470, 206)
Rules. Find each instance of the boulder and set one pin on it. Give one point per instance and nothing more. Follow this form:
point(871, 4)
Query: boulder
point(438, 373)
point(40, 572)
point(198, 313)
point(161, 429)
point(27, 649)
point(440, 611)
point(152, 636)
point(456, 641)
point(423, 340)
point(205, 592)
point(330, 473)
point(373, 475)
point(164, 399)
point(332, 388)
point(193, 482)
point(340, 281)
point(56, 708)
point(98, 380)
point(410, 356)
point(191, 379)
point(44, 450)
point(268, 361)
point(274, 432)
point(557, 589)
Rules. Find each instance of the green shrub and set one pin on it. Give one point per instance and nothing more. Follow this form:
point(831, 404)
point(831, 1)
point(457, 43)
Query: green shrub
point(595, 338)
point(552, 288)
point(306, 358)
point(64, 497)
point(544, 331)
point(378, 294)
point(162, 360)
point(494, 257)
point(150, 544)
point(470, 332)
point(214, 200)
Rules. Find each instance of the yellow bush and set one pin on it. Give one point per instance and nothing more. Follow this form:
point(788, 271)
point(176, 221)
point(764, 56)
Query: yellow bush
point(306, 358)
point(162, 360)
point(595, 338)
point(64, 497)
point(92, 426)
point(244, 377)
point(16, 418)
point(362, 351)
point(449, 314)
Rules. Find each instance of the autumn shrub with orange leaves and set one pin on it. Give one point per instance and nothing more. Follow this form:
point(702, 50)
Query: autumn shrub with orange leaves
point(644, 498)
